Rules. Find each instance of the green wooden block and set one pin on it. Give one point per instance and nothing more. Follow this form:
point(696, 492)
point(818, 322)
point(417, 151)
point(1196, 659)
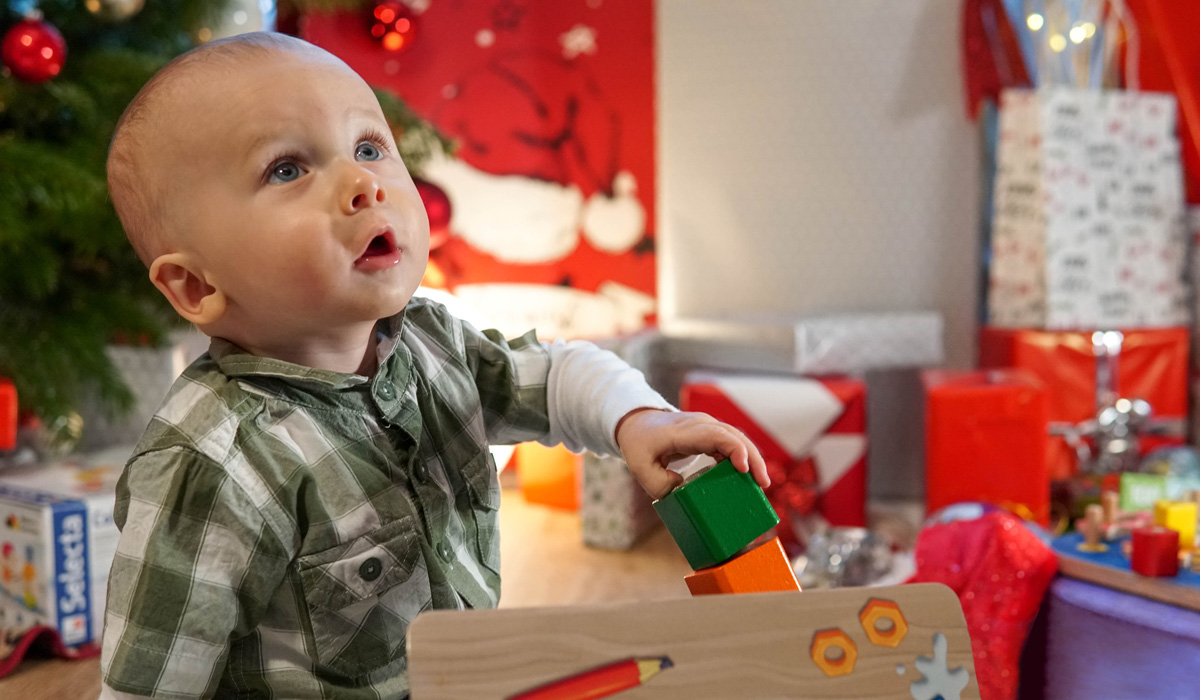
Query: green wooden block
point(715, 513)
point(1141, 491)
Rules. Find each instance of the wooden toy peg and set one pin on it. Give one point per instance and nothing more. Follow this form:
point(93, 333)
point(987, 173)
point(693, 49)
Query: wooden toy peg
point(1092, 527)
point(1110, 501)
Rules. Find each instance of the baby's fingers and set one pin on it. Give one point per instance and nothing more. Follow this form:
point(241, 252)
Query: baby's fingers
point(732, 443)
point(658, 482)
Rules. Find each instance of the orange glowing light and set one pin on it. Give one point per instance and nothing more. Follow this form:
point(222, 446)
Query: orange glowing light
point(393, 41)
point(385, 14)
point(26, 39)
point(47, 52)
point(403, 25)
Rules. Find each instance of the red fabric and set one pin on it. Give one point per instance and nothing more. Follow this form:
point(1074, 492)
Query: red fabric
point(1169, 61)
point(46, 638)
point(1000, 571)
point(991, 56)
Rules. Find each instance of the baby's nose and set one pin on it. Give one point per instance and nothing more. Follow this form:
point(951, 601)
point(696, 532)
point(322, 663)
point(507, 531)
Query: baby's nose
point(366, 192)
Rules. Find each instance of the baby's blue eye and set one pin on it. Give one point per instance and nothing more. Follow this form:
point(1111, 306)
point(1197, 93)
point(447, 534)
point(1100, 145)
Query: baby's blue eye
point(284, 171)
point(367, 151)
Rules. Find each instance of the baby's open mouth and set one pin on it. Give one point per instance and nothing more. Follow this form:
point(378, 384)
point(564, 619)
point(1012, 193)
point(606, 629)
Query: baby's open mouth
point(381, 252)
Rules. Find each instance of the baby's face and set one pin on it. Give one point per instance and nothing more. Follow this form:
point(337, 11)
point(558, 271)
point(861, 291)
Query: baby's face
point(288, 187)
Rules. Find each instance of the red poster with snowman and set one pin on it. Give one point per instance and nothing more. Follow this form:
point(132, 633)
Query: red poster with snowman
point(551, 103)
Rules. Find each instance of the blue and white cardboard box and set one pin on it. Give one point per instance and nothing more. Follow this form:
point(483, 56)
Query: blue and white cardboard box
point(57, 542)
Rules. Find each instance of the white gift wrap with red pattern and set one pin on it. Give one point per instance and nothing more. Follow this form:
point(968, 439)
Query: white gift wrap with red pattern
point(793, 420)
point(1088, 215)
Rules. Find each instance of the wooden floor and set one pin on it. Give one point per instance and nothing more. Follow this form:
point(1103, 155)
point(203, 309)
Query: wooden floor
point(544, 563)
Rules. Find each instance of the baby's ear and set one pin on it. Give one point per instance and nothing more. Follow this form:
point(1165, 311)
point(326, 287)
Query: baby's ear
point(182, 282)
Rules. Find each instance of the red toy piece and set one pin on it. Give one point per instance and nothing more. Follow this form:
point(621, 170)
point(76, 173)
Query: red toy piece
point(8, 415)
point(1155, 551)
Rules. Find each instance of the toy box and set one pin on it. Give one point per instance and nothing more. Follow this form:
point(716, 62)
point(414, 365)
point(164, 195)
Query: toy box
point(57, 542)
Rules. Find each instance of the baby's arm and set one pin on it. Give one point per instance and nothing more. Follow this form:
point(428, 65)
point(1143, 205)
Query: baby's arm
point(195, 567)
point(589, 398)
point(599, 402)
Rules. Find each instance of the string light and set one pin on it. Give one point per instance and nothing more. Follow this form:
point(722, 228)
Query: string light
point(1058, 42)
point(1035, 21)
point(1089, 29)
point(1078, 34)
point(204, 34)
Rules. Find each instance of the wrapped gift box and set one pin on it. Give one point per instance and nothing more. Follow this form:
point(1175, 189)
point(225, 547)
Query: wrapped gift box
point(616, 511)
point(985, 440)
point(829, 344)
point(1088, 219)
point(811, 432)
point(57, 542)
point(1151, 364)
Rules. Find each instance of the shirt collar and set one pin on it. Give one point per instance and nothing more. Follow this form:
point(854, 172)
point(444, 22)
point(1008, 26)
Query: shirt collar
point(236, 362)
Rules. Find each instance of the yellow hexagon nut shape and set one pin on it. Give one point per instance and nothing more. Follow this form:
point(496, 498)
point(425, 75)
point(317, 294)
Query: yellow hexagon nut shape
point(876, 610)
point(827, 639)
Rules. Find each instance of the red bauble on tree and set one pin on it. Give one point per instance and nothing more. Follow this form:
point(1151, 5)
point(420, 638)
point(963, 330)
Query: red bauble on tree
point(393, 24)
point(33, 50)
point(437, 207)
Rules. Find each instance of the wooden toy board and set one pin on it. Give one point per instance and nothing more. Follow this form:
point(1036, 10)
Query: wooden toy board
point(1111, 569)
point(756, 645)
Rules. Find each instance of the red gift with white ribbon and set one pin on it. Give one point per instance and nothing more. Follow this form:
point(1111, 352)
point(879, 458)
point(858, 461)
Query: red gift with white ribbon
point(811, 433)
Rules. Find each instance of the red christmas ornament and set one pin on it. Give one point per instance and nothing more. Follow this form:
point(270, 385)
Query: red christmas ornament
point(437, 207)
point(33, 50)
point(393, 24)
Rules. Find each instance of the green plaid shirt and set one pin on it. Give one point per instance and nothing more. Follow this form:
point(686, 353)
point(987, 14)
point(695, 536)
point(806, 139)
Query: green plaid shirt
point(282, 525)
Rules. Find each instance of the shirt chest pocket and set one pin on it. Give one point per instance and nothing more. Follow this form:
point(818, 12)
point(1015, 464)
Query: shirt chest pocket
point(483, 486)
point(362, 595)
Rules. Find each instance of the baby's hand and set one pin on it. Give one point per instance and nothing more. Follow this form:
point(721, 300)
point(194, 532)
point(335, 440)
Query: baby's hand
point(651, 439)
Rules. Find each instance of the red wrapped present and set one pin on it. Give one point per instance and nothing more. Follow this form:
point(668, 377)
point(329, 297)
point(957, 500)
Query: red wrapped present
point(985, 440)
point(811, 433)
point(1081, 373)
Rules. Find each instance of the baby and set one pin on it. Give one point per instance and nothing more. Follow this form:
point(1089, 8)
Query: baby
point(322, 474)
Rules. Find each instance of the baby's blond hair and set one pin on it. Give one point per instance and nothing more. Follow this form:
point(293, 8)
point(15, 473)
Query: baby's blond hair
point(140, 202)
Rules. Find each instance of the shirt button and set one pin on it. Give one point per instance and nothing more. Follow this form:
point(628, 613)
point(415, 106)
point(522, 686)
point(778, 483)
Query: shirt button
point(443, 551)
point(370, 569)
point(386, 392)
point(420, 471)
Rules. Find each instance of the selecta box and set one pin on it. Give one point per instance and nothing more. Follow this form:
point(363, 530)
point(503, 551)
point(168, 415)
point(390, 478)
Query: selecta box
point(57, 542)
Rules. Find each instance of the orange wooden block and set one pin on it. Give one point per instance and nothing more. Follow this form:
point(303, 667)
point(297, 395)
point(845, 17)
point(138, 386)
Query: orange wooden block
point(549, 475)
point(762, 569)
